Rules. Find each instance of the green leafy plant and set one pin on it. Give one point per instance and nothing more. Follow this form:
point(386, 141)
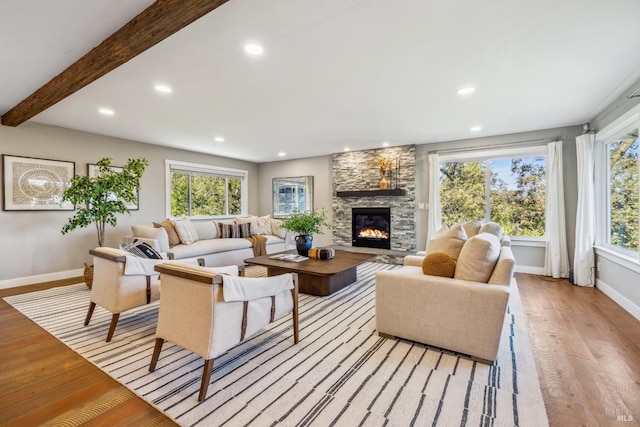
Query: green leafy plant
point(99, 199)
point(307, 223)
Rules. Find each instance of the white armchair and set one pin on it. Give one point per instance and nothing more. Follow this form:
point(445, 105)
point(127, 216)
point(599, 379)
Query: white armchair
point(208, 313)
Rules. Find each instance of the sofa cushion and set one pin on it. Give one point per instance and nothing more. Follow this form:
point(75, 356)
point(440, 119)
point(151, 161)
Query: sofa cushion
point(209, 246)
point(439, 264)
point(478, 258)
point(449, 241)
point(503, 271)
point(142, 250)
point(205, 229)
point(174, 239)
point(493, 228)
point(186, 231)
point(158, 234)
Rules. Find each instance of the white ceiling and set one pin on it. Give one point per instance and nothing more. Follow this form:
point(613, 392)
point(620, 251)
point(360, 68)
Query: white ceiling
point(334, 74)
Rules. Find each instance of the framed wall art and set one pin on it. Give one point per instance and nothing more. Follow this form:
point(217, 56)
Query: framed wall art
point(293, 194)
point(93, 170)
point(32, 184)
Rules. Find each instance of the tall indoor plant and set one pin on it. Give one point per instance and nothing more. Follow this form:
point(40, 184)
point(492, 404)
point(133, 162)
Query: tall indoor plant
point(100, 198)
point(306, 225)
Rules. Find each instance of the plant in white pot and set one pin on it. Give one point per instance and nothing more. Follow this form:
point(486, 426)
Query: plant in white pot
point(99, 199)
point(306, 224)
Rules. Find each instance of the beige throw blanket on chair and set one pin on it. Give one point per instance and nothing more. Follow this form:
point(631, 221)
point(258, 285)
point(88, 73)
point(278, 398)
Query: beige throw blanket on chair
point(259, 244)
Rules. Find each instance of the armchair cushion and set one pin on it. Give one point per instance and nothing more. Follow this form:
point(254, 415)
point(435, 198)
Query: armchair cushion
point(478, 258)
point(439, 264)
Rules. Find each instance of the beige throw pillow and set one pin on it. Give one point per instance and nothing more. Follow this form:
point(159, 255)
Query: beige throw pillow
point(167, 224)
point(159, 234)
point(493, 228)
point(259, 225)
point(478, 258)
point(449, 241)
point(186, 231)
point(472, 228)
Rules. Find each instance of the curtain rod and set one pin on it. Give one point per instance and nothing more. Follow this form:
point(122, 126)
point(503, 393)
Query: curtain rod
point(529, 143)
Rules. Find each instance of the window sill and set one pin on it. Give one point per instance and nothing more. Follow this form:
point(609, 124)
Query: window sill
point(625, 261)
point(536, 242)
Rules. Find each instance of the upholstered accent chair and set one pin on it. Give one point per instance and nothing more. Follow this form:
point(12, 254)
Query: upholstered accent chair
point(121, 281)
point(209, 310)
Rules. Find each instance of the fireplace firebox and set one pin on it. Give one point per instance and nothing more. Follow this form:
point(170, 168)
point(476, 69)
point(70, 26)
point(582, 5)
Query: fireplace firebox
point(371, 227)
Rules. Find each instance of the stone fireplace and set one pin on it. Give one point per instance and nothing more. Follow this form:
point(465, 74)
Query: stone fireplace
point(356, 185)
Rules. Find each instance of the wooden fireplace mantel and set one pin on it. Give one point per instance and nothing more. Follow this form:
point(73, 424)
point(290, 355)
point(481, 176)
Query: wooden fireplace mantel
point(371, 193)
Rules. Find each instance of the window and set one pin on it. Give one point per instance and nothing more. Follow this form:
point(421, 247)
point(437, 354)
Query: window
point(497, 187)
point(202, 190)
point(291, 195)
point(622, 190)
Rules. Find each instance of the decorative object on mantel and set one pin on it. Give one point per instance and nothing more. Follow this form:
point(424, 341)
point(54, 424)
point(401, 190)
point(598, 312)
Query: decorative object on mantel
point(99, 198)
point(306, 225)
point(385, 166)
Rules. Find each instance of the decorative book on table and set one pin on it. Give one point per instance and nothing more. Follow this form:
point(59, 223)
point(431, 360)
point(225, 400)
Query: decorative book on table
point(289, 257)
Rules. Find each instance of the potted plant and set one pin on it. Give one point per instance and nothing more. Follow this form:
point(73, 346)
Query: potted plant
point(306, 224)
point(100, 198)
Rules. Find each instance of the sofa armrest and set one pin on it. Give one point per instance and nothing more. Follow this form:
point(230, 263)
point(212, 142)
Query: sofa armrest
point(414, 260)
point(458, 315)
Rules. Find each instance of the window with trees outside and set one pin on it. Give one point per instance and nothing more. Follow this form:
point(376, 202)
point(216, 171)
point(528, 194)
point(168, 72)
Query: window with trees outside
point(623, 190)
point(496, 187)
point(202, 190)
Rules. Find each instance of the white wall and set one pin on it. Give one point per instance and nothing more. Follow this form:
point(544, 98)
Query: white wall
point(33, 249)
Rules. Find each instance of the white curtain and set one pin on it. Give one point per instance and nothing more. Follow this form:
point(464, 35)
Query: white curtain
point(434, 219)
point(583, 259)
point(557, 262)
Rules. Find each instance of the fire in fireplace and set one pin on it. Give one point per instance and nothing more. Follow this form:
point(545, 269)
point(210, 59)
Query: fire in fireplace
point(371, 227)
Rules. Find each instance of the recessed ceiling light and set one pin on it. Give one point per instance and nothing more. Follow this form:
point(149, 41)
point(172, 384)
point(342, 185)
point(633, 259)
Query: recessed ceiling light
point(106, 111)
point(163, 89)
point(346, 149)
point(385, 144)
point(475, 128)
point(282, 154)
point(253, 49)
point(218, 139)
point(466, 90)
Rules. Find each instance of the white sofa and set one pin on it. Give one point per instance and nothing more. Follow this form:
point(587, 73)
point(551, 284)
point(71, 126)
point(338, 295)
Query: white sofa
point(205, 240)
point(464, 313)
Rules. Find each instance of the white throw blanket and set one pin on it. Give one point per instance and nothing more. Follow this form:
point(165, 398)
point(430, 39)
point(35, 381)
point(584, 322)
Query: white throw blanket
point(249, 288)
point(137, 266)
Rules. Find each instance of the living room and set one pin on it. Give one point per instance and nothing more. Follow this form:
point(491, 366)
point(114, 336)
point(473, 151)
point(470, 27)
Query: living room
point(34, 250)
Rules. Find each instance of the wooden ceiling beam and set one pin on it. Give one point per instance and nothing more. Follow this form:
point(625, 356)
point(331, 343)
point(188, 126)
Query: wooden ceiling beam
point(157, 22)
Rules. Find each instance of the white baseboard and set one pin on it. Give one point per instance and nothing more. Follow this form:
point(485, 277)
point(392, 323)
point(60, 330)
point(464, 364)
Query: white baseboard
point(530, 270)
point(21, 281)
point(620, 299)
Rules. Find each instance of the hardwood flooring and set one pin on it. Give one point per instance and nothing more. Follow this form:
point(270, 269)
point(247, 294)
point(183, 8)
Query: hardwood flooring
point(587, 352)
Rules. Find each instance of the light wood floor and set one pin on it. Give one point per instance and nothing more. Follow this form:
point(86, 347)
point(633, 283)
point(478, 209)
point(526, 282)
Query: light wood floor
point(587, 352)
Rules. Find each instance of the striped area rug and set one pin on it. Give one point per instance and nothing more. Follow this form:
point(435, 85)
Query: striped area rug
point(341, 373)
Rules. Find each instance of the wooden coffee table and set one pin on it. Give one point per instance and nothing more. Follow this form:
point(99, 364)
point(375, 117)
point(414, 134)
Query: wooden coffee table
point(317, 277)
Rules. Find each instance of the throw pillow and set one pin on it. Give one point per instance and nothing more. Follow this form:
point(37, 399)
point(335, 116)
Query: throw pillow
point(472, 228)
point(158, 234)
point(142, 249)
point(493, 228)
point(478, 258)
point(174, 239)
point(251, 220)
point(439, 264)
point(230, 231)
point(449, 241)
point(186, 231)
point(277, 229)
point(263, 225)
point(503, 271)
